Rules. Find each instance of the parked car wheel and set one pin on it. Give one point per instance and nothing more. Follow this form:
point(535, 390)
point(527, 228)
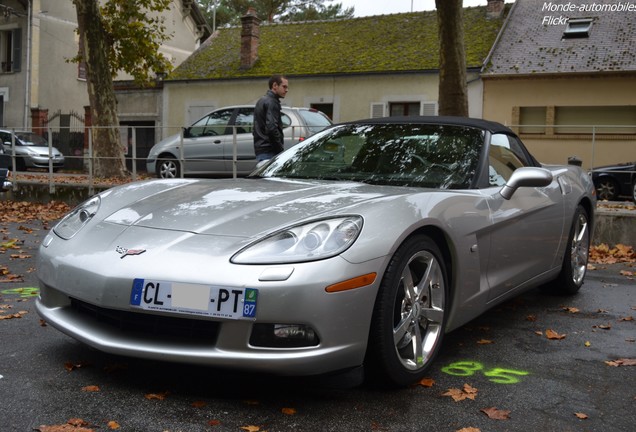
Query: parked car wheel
point(634, 191)
point(168, 168)
point(576, 258)
point(409, 316)
point(607, 189)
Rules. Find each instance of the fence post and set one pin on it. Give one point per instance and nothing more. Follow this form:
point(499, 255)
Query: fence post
point(234, 153)
point(49, 135)
point(134, 154)
point(91, 190)
point(181, 155)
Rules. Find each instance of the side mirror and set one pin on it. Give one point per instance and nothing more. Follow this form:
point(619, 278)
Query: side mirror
point(186, 132)
point(525, 177)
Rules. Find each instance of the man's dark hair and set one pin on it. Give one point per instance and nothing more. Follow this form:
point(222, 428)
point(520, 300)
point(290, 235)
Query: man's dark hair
point(278, 79)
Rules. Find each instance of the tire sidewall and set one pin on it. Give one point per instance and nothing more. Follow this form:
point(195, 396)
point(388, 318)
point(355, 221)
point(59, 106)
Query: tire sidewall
point(382, 355)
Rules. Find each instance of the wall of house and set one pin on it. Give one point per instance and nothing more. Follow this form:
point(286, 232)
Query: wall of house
point(505, 101)
point(12, 83)
point(54, 81)
point(353, 97)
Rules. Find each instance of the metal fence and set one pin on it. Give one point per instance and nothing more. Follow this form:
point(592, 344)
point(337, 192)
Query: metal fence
point(595, 145)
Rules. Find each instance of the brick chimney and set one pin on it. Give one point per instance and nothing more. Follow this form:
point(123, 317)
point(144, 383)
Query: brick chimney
point(495, 8)
point(250, 35)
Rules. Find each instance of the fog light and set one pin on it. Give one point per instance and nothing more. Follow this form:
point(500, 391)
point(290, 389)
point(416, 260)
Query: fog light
point(283, 336)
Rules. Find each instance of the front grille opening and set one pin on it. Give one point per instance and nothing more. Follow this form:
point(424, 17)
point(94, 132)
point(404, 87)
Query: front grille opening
point(159, 326)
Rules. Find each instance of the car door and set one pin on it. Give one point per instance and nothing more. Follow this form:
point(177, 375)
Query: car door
point(528, 229)
point(243, 123)
point(204, 142)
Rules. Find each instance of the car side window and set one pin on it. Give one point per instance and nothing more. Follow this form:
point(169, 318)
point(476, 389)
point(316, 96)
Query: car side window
point(213, 124)
point(244, 121)
point(505, 155)
point(5, 137)
point(286, 120)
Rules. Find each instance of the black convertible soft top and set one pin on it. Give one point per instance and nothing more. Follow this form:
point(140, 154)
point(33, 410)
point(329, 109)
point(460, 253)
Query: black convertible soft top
point(491, 126)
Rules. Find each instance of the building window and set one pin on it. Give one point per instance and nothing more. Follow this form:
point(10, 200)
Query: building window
point(1, 111)
point(10, 50)
point(532, 120)
point(404, 109)
point(81, 66)
point(578, 28)
point(605, 119)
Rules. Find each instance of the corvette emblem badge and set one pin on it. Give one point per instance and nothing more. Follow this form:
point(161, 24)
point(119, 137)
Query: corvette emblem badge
point(125, 252)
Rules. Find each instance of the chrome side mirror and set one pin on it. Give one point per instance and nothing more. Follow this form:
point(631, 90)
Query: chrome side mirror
point(525, 177)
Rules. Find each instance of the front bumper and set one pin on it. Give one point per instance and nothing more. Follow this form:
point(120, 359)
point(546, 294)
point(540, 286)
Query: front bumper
point(104, 281)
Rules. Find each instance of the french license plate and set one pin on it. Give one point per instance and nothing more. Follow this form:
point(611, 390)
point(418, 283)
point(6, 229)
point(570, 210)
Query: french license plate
point(194, 299)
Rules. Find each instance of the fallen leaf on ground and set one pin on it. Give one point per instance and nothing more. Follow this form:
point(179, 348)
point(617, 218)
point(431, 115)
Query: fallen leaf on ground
point(113, 425)
point(484, 342)
point(468, 392)
point(91, 388)
point(621, 362)
point(582, 416)
point(288, 411)
point(251, 428)
point(496, 414)
point(73, 425)
point(198, 404)
point(571, 309)
point(551, 334)
point(156, 396)
point(469, 429)
point(426, 382)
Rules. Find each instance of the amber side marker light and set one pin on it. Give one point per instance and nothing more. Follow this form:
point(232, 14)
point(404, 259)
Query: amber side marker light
point(349, 284)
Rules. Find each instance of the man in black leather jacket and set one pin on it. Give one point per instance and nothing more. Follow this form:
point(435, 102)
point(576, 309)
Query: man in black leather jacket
point(268, 126)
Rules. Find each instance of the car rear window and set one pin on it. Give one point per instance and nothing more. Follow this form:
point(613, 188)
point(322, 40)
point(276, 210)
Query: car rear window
point(315, 120)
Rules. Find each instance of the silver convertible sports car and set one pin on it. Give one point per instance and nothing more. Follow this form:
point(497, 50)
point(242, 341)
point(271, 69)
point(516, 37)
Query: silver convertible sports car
point(357, 249)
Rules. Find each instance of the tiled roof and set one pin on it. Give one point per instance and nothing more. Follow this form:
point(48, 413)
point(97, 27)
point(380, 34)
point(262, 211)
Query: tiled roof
point(532, 41)
point(378, 44)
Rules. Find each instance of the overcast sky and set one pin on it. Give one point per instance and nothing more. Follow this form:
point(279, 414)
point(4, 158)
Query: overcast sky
point(383, 7)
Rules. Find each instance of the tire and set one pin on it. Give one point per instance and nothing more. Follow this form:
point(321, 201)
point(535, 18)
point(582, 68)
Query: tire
point(634, 192)
point(576, 257)
point(168, 168)
point(606, 189)
point(409, 315)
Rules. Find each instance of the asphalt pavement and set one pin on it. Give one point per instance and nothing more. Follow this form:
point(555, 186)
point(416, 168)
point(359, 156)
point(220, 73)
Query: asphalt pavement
point(502, 365)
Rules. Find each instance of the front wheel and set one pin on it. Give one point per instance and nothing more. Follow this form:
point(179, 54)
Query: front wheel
point(168, 168)
point(634, 192)
point(409, 316)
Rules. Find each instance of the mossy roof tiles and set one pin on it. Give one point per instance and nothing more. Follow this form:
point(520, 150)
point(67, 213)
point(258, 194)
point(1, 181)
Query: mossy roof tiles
point(533, 43)
point(369, 45)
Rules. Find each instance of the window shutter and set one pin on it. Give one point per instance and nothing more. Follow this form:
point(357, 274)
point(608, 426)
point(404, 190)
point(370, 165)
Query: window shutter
point(378, 109)
point(428, 108)
point(17, 50)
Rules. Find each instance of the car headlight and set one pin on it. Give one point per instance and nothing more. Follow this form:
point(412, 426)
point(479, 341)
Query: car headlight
point(76, 219)
point(307, 242)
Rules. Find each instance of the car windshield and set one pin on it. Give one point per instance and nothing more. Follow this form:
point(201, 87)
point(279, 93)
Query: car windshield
point(421, 155)
point(30, 138)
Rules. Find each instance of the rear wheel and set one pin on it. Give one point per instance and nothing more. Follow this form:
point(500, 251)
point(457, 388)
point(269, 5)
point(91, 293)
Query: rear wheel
point(168, 168)
point(576, 257)
point(634, 192)
point(409, 315)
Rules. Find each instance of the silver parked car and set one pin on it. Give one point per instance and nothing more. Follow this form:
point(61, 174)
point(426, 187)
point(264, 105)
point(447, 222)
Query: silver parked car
point(361, 246)
point(208, 145)
point(31, 150)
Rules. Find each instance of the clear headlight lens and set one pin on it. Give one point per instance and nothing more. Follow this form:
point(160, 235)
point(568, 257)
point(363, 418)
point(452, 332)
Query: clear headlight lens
point(308, 242)
point(76, 219)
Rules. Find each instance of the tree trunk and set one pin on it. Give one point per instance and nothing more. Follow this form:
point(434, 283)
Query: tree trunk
point(107, 150)
point(453, 91)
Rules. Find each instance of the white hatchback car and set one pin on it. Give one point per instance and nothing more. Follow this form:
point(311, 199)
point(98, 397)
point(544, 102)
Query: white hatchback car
point(31, 150)
point(208, 145)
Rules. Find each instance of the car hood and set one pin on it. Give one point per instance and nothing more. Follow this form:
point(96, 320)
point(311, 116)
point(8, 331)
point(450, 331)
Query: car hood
point(245, 207)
